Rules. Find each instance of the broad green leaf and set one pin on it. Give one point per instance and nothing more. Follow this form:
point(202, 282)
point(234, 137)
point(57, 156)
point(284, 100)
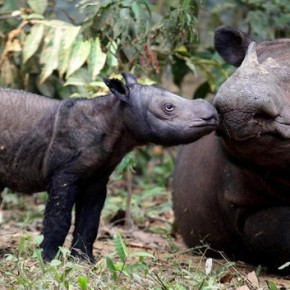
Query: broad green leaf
point(71, 33)
point(80, 78)
point(37, 6)
point(32, 41)
point(68, 39)
point(51, 52)
point(120, 247)
point(185, 4)
point(112, 49)
point(97, 58)
point(79, 54)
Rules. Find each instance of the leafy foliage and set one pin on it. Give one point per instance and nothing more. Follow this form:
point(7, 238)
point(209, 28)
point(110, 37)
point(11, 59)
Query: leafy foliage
point(64, 59)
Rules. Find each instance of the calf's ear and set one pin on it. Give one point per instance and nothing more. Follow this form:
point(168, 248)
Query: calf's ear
point(231, 44)
point(117, 88)
point(129, 79)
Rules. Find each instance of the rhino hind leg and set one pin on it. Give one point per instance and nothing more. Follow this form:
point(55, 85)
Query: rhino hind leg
point(267, 235)
point(89, 205)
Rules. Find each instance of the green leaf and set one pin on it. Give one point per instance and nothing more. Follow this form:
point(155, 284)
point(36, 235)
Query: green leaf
point(21, 245)
point(111, 267)
point(68, 39)
point(50, 54)
point(83, 282)
point(32, 41)
point(97, 58)
point(48, 87)
point(79, 54)
point(79, 78)
point(271, 285)
point(142, 255)
point(38, 239)
point(127, 163)
point(38, 6)
point(120, 247)
point(33, 16)
point(55, 263)
point(37, 254)
point(155, 191)
point(185, 4)
point(110, 264)
point(112, 50)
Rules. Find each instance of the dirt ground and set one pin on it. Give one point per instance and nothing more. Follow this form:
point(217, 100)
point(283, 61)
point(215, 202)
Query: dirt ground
point(137, 240)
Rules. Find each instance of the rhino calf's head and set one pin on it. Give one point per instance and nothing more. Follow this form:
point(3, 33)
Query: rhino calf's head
point(156, 115)
point(254, 103)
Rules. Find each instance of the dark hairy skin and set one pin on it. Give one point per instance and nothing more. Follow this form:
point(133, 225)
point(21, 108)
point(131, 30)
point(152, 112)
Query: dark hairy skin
point(232, 189)
point(71, 147)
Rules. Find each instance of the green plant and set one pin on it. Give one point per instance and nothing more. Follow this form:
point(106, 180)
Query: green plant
point(62, 59)
point(123, 267)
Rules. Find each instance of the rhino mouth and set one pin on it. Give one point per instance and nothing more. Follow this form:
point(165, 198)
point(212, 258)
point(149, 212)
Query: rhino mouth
point(248, 126)
point(204, 123)
point(258, 132)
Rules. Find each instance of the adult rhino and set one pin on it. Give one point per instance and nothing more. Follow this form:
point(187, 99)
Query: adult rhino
point(71, 147)
point(232, 190)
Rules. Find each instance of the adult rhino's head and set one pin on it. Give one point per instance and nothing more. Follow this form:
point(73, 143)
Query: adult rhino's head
point(156, 115)
point(254, 103)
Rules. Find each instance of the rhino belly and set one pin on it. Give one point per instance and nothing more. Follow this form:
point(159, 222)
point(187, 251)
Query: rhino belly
point(21, 161)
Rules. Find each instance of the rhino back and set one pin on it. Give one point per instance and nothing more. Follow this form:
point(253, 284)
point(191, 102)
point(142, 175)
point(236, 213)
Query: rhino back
point(26, 123)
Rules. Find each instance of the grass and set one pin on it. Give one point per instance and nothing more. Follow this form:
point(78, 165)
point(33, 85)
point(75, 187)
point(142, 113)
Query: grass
point(120, 265)
point(121, 268)
point(143, 255)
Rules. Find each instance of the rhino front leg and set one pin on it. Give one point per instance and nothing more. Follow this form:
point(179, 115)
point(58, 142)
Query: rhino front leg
point(89, 205)
point(62, 193)
point(267, 233)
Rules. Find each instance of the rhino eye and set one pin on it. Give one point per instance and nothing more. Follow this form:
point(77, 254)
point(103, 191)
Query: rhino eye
point(169, 108)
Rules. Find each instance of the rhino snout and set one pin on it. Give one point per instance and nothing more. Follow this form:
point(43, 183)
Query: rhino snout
point(205, 113)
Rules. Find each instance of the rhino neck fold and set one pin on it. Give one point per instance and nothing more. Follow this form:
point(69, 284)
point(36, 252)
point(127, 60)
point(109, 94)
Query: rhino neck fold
point(117, 139)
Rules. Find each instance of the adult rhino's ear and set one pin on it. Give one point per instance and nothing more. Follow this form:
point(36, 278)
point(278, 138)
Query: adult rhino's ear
point(231, 44)
point(117, 88)
point(129, 79)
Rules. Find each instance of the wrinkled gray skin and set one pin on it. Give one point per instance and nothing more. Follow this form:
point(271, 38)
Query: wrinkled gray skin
point(71, 147)
point(233, 190)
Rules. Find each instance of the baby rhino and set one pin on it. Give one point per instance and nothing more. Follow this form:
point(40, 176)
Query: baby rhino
point(71, 147)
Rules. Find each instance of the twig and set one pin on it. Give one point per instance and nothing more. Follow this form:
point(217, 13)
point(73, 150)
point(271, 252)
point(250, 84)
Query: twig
point(129, 198)
point(13, 34)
